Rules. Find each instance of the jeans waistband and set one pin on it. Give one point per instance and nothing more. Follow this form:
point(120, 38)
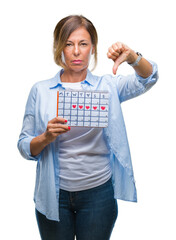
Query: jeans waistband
point(107, 183)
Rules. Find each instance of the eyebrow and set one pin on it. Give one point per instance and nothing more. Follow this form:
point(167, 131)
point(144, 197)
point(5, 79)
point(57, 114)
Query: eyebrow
point(83, 40)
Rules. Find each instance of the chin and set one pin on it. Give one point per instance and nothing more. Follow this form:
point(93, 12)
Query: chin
point(78, 68)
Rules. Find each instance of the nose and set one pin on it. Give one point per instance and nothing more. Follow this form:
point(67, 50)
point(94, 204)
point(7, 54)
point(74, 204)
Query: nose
point(76, 50)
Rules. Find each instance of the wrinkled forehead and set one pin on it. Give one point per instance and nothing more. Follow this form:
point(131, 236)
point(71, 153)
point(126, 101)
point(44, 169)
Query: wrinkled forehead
point(79, 34)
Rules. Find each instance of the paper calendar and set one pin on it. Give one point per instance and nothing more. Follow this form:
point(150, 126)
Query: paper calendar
point(83, 108)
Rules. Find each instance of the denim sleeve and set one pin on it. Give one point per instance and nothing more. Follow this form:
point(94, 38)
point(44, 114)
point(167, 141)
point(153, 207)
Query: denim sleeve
point(28, 128)
point(133, 85)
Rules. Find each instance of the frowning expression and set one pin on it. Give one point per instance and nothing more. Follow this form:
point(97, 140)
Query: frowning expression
point(78, 50)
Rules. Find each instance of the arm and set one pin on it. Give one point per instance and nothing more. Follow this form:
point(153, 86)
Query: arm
point(55, 127)
point(30, 145)
point(144, 68)
point(130, 86)
point(120, 53)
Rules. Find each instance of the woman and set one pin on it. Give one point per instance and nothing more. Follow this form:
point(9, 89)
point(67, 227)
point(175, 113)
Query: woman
point(81, 171)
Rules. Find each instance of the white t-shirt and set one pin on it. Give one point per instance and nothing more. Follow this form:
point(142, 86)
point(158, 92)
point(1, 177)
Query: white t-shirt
point(83, 156)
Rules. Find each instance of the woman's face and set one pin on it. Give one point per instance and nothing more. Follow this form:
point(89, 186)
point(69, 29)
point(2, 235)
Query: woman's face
point(78, 50)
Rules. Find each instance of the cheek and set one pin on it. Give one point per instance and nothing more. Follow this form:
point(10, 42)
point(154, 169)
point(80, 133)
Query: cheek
point(67, 53)
point(89, 54)
point(66, 56)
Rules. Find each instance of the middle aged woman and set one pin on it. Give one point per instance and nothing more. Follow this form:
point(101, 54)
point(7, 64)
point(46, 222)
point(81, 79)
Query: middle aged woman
point(81, 171)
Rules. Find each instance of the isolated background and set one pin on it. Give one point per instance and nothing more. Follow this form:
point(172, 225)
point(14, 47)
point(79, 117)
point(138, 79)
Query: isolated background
point(26, 29)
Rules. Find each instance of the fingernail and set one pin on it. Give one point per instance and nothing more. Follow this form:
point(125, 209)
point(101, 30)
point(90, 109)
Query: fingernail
point(69, 127)
point(65, 121)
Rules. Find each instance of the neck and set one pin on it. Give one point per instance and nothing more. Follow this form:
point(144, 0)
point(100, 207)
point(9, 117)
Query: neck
point(71, 76)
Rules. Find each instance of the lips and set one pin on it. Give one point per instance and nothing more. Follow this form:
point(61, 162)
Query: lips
point(77, 61)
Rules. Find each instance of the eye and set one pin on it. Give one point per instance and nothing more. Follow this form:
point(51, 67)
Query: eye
point(68, 44)
point(84, 44)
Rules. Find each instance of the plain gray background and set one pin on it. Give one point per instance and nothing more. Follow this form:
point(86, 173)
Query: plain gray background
point(26, 57)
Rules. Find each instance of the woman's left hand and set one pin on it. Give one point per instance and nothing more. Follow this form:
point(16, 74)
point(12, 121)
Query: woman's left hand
point(120, 53)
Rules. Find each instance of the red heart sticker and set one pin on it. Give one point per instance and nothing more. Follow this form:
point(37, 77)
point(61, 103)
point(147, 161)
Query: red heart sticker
point(103, 108)
point(87, 107)
point(94, 108)
point(80, 106)
point(74, 106)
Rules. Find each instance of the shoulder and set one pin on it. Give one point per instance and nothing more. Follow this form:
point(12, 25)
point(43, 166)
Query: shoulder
point(46, 84)
point(107, 79)
point(106, 76)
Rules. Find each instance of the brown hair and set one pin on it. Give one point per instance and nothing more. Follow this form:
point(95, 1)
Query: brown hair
point(63, 30)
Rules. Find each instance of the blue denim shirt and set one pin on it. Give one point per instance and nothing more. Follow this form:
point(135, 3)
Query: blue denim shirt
point(41, 107)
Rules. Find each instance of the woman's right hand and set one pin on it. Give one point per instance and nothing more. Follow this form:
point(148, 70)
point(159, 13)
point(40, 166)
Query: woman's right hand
point(55, 127)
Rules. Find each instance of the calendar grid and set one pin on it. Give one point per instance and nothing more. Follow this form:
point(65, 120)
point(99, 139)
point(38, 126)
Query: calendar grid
point(83, 108)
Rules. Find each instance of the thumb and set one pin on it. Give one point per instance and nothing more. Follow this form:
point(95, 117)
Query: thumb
point(115, 67)
point(118, 61)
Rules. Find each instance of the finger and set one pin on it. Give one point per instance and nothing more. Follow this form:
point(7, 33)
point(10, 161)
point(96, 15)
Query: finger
point(55, 126)
point(112, 52)
point(114, 69)
point(117, 47)
point(117, 62)
point(53, 135)
point(58, 120)
point(59, 130)
point(115, 50)
point(110, 56)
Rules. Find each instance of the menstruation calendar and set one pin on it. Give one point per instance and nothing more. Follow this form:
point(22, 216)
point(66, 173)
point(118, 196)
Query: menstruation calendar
point(83, 108)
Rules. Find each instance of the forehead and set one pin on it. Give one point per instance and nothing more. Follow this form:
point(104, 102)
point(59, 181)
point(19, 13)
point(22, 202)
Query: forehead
point(79, 34)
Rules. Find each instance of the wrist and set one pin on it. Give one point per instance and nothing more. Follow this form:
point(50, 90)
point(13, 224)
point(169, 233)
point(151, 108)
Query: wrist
point(38, 144)
point(45, 139)
point(132, 57)
point(136, 58)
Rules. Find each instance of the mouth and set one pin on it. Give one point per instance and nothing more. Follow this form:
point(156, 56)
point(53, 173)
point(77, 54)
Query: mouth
point(77, 61)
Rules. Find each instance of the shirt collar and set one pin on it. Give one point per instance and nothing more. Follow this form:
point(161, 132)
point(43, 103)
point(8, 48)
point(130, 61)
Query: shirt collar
point(56, 82)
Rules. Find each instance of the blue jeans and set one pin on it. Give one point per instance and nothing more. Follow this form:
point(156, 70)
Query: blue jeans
point(88, 215)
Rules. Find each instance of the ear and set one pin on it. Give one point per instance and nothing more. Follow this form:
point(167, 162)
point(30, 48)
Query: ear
point(93, 50)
